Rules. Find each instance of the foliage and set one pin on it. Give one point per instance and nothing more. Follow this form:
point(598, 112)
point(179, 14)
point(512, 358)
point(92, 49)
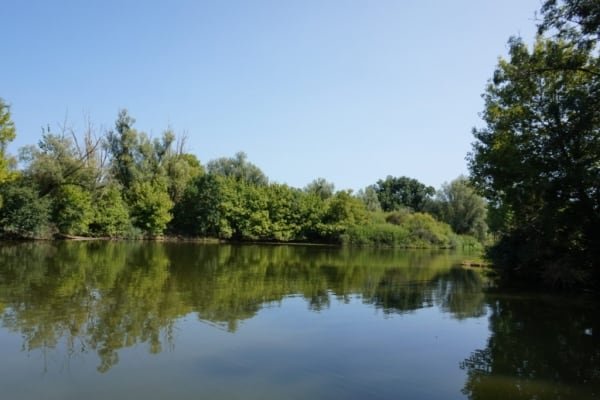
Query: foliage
point(198, 213)
point(54, 162)
point(23, 213)
point(575, 20)
point(321, 188)
point(150, 207)
point(368, 196)
point(111, 216)
point(462, 208)
point(286, 214)
point(7, 134)
point(136, 186)
point(152, 177)
point(395, 193)
point(181, 169)
point(537, 161)
point(238, 168)
point(72, 210)
point(405, 229)
point(121, 143)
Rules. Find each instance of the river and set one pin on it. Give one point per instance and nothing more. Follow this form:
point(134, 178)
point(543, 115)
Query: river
point(148, 320)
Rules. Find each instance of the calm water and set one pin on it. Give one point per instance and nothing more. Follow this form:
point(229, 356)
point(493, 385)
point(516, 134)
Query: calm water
point(188, 321)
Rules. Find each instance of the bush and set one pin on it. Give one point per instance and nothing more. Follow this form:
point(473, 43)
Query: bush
point(23, 214)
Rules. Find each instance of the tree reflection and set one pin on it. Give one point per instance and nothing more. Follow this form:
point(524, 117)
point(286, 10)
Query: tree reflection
point(538, 349)
point(106, 296)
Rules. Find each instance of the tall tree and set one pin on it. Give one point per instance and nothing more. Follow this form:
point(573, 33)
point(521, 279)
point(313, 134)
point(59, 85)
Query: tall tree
point(321, 188)
point(368, 196)
point(7, 135)
point(537, 160)
point(121, 143)
point(575, 20)
point(462, 208)
point(239, 168)
point(403, 192)
point(139, 164)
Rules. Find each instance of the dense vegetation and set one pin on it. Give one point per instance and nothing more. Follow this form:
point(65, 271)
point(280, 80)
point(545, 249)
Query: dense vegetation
point(537, 160)
point(125, 184)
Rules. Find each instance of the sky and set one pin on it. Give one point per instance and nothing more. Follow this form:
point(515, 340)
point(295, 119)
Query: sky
point(351, 91)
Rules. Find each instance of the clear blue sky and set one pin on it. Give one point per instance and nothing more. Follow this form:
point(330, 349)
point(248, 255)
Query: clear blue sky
point(351, 91)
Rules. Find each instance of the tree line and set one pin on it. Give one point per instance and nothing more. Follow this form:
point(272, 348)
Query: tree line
point(125, 184)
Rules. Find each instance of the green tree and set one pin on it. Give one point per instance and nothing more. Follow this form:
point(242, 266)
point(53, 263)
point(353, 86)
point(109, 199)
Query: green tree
point(284, 211)
point(396, 193)
point(56, 162)
point(239, 168)
point(7, 135)
point(537, 161)
point(321, 188)
point(121, 143)
point(72, 210)
point(199, 212)
point(111, 215)
point(575, 20)
point(150, 207)
point(140, 166)
point(342, 212)
point(462, 208)
point(23, 213)
point(368, 196)
point(181, 169)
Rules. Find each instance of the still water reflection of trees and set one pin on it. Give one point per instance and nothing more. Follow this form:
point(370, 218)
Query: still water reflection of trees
point(540, 347)
point(104, 296)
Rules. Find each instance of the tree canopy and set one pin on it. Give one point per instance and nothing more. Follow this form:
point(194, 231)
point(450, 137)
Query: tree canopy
point(537, 160)
point(7, 134)
point(395, 193)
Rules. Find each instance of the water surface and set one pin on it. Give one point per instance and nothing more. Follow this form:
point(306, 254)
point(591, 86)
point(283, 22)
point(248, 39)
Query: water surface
point(187, 321)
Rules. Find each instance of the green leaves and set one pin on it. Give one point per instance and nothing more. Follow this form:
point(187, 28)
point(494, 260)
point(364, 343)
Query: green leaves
point(7, 134)
point(396, 193)
point(23, 212)
point(537, 158)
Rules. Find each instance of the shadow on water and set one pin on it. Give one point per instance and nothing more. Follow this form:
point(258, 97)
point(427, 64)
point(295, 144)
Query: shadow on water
point(540, 347)
point(103, 296)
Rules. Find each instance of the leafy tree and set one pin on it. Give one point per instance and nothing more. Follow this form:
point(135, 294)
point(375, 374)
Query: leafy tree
point(140, 165)
point(181, 169)
point(111, 215)
point(7, 134)
point(342, 212)
point(23, 213)
point(150, 207)
point(537, 159)
point(72, 210)
point(202, 211)
point(575, 20)
point(462, 208)
point(239, 168)
point(321, 188)
point(55, 162)
point(121, 143)
point(396, 193)
point(368, 196)
point(285, 213)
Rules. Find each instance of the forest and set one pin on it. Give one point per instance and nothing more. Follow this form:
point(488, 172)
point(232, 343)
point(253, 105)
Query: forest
point(125, 184)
